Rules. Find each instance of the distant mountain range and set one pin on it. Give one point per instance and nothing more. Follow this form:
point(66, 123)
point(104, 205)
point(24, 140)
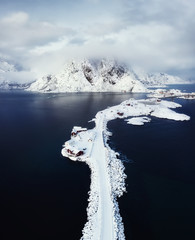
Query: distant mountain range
point(90, 76)
point(157, 79)
point(7, 70)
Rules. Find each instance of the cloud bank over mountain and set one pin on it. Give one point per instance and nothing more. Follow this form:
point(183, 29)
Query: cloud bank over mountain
point(155, 35)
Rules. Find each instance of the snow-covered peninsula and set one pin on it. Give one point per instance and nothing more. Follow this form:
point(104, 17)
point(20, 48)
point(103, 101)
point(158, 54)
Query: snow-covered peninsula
point(107, 170)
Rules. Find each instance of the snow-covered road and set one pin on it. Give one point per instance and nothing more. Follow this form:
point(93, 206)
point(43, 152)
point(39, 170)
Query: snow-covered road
point(105, 208)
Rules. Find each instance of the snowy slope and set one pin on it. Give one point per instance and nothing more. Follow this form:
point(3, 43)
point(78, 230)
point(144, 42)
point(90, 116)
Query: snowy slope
point(156, 79)
point(90, 76)
point(159, 79)
point(101, 76)
point(163, 78)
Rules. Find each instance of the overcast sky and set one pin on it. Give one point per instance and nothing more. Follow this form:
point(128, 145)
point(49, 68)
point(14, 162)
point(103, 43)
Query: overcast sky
point(157, 35)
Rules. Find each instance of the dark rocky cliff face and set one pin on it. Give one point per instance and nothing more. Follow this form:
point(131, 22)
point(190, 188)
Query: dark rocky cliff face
point(110, 71)
point(88, 73)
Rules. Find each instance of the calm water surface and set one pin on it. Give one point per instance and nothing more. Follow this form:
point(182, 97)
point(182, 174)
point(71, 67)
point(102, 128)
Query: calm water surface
point(44, 196)
point(160, 203)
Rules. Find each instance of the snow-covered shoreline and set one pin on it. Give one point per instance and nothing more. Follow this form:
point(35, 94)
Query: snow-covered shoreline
point(170, 93)
point(107, 170)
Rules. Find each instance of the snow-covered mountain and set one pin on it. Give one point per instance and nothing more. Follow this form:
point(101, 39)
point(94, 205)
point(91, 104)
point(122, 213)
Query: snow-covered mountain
point(85, 76)
point(8, 81)
point(100, 76)
point(163, 79)
point(90, 76)
point(156, 79)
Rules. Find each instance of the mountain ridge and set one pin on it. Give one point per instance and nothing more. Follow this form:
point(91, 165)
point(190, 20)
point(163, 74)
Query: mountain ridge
point(88, 75)
point(100, 75)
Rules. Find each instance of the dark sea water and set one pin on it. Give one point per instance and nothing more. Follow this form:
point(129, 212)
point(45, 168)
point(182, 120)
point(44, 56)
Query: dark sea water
point(160, 203)
point(44, 196)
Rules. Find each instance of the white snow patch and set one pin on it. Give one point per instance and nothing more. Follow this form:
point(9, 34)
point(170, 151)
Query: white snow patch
point(138, 120)
point(162, 112)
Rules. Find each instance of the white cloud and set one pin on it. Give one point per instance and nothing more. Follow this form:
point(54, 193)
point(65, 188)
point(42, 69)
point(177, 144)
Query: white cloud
point(152, 46)
point(105, 27)
point(157, 35)
point(18, 18)
point(19, 33)
point(92, 1)
point(19, 77)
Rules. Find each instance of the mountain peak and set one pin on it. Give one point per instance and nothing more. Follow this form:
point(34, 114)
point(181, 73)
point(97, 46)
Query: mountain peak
point(90, 75)
point(87, 75)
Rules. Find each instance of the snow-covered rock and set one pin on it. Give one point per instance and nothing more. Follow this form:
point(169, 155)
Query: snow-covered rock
point(90, 76)
point(103, 75)
point(99, 75)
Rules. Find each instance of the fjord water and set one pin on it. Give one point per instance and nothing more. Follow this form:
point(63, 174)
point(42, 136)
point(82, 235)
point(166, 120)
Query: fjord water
point(161, 176)
point(44, 196)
